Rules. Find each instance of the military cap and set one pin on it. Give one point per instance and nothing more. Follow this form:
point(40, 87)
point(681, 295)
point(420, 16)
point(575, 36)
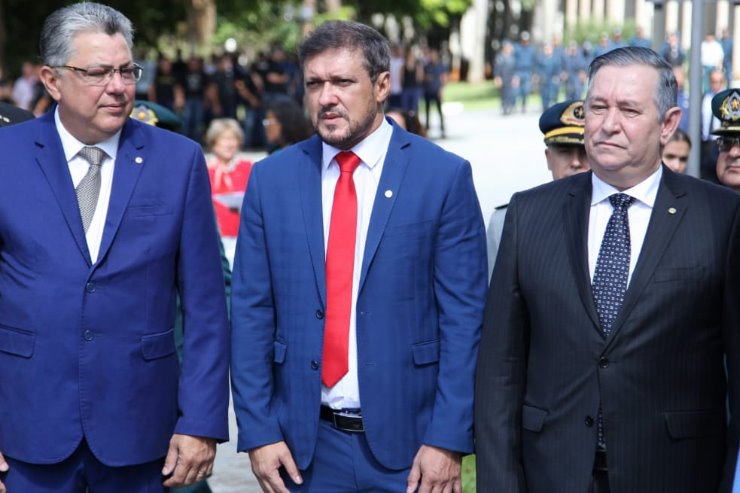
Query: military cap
point(726, 107)
point(10, 114)
point(563, 123)
point(156, 114)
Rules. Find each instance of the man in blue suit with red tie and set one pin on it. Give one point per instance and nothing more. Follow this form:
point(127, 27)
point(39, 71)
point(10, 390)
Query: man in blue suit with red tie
point(103, 220)
point(359, 285)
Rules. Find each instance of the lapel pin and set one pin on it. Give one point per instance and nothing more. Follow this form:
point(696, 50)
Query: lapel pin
point(388, 194)
point(139, 160)
point(671, 210)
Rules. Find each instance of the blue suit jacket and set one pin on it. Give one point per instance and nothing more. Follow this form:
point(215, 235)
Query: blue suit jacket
point(88, 349)
point(419, 307)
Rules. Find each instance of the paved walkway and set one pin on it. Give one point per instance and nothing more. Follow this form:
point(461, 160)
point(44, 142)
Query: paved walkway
point(506, 153)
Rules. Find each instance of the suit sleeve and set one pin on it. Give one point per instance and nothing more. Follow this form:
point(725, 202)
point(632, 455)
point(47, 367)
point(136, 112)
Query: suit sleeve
point(501, 372)
point(253, 326)
point(731, 330)
point(204, 384)
point(460, 273)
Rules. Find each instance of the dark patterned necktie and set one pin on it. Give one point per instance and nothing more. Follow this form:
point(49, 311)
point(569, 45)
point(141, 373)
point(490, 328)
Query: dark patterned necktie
point(88, 189)
point(610, 278)
point(613, 263)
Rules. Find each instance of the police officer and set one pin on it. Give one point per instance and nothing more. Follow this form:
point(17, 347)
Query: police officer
point(562, 128)
point(10, 114)
point(726, 108)
point(524, 57)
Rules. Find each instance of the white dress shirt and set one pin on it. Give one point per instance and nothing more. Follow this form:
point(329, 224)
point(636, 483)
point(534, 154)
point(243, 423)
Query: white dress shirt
point(78, 167)
point(638, 216)
point(371, 151)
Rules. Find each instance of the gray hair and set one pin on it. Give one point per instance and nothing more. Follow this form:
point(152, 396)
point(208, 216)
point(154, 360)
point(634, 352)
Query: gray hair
point(335, 35)
point(63, 24)
point(666, 92)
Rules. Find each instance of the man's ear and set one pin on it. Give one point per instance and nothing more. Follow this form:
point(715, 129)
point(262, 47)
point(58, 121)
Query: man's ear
point(51, 79)
point(670, 123)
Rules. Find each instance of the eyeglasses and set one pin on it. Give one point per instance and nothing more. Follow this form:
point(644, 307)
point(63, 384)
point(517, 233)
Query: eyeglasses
point(727, 143)
point(268, 121)
point(100, 76)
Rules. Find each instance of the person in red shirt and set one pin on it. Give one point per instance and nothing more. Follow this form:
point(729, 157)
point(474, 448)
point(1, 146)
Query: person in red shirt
point(229, 175)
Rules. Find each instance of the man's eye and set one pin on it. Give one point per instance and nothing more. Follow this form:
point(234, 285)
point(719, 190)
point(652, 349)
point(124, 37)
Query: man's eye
point(97, 72)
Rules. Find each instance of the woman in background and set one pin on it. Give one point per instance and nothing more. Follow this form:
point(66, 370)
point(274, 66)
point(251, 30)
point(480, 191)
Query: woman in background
point(229, 175)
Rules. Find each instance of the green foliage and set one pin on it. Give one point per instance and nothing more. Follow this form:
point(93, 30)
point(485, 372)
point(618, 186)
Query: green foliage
point(468, 474)
point(591, 30)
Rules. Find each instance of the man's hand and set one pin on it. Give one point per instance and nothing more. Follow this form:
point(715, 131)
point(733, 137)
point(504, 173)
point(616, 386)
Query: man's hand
point(3, 468)
point(266, 462)
point(435, 470)
point(188, 460)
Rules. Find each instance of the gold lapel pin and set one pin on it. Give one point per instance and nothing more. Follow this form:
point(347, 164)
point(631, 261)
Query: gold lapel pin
point(672, 210)
point(139, 160)
point(388, 194)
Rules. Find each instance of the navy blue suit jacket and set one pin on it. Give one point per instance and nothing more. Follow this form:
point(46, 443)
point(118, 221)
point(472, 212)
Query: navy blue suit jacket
point(88, 349)
point(419, 307)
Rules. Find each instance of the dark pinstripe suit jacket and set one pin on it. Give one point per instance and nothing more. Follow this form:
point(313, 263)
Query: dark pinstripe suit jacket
point(545, 364)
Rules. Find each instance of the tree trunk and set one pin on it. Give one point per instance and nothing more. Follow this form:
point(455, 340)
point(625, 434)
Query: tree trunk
point(202, 22)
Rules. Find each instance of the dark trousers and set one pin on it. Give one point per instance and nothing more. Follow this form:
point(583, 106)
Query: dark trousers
point(343, 463)
point(82, 472)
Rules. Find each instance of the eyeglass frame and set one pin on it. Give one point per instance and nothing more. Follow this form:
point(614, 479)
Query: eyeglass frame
point(725, 144)
point(108, 75)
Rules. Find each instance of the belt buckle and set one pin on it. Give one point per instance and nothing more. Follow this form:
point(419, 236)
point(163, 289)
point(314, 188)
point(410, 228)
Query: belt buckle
point(349, 418)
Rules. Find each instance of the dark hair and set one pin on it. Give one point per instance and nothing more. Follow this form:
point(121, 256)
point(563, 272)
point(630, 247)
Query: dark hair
point(295, 127)
point(680, 136)
point(665, 93)
point(334, 35)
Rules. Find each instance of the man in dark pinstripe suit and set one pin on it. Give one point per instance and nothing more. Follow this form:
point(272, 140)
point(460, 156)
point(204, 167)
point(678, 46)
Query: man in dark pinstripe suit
point(570, 399)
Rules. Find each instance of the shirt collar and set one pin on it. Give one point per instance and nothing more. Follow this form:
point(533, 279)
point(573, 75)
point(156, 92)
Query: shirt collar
point(72, 146)
point(369, 150)
point(644, 192)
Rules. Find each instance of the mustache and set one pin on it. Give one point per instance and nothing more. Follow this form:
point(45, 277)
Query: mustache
point(325, 110)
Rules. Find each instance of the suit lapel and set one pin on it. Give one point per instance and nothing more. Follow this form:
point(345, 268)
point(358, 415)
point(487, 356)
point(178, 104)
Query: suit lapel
point(51, 160)
point(129, 163)
point(576, 212)
point(310, 189)
point(668, 210)
point(394, 169)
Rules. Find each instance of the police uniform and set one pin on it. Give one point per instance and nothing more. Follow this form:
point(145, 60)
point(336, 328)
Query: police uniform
point(562, 124)
point(10, 114)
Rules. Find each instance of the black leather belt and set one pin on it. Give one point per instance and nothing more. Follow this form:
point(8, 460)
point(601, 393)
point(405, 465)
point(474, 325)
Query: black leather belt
point(342, 421)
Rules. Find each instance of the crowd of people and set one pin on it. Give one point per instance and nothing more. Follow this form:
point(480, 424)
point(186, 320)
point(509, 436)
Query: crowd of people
point(367, 345)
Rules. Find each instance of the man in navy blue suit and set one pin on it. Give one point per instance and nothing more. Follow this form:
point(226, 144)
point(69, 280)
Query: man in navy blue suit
point(104, 220)
point(359, 285)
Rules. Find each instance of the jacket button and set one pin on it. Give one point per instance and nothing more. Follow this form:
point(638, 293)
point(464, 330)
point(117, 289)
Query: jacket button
point(88, 335)
point(320, 314)
point(90, 287)
point(603, 362)
point(589, 421)
point(314, 365)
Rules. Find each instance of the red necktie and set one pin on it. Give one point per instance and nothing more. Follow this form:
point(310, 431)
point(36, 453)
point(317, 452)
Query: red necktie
point(340, 262)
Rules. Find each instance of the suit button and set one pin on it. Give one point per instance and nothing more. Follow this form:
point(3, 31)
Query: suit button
point(88, 335)
point(90, 287)
point(320, 314)
point(314, 365)
point(603, 362)
point(589, 421)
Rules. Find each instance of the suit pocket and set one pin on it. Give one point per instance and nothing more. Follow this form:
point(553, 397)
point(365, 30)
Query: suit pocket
point(679, 274)
point(157, 346)
point(533, 418)
point(279, 349)
point(148, 209)
point(426, 352)
point(16, 341)
point(694, 424)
